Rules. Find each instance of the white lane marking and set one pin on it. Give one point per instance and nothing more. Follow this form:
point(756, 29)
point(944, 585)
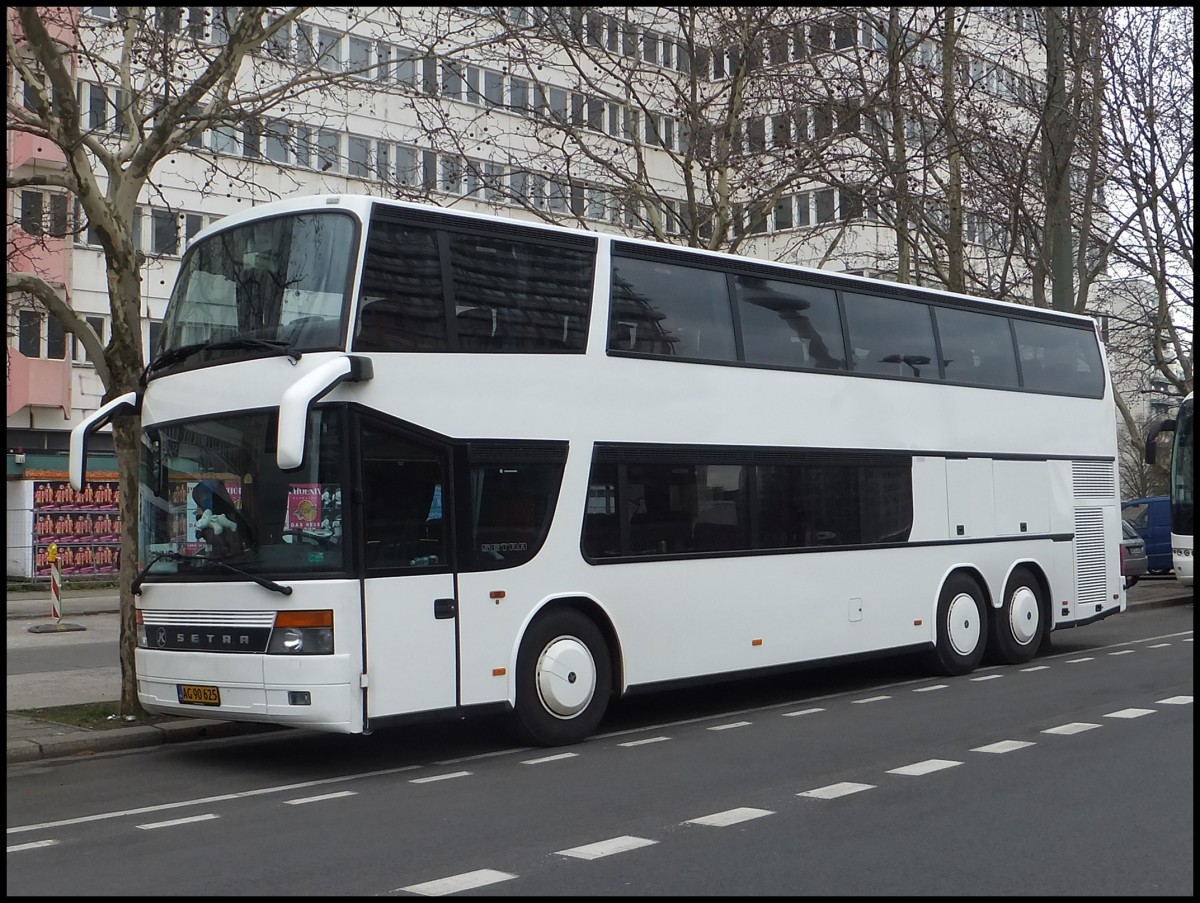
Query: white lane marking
point(208, 800)
point(33, 845)
point(440, 777)
point(927, 767)
point(1035, 668)
point(556, 758)
point(154, 826)
point(455, 883)
point(725, 727)
point(927, 689)
point(1159, 646)
point(1003, 746)
point(1130, 713)
point(802, 712)
point(1123, 652)
point(321, 798)
point(644, 742)
point(1175, 700)
point(602, 848)
point(870, 699)
point(987, 677)
point(1075, 727)
point(1076, 661)
point(729, 817)
point(833, 791)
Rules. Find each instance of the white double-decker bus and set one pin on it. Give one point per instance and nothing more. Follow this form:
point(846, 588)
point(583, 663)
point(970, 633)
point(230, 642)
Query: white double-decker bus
point(399, 460)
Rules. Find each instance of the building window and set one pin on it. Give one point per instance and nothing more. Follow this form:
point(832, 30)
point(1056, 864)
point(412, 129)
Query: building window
point(164, 232)
point(78, 352)
point(29, 333)
point(359, 157)
point(31, 212)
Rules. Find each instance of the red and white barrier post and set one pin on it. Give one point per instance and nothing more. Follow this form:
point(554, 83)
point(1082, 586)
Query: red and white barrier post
point(55, 584)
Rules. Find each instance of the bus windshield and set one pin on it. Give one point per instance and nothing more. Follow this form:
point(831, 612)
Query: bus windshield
point(214, 500)
point(281, 280)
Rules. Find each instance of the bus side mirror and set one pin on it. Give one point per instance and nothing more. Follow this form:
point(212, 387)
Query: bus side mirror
point(300, 396)
point(129, 403)
point(1166, 426)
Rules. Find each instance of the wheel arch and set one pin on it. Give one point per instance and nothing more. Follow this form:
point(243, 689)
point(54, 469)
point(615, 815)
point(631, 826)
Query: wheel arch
point(990, 600)
point(592, 609)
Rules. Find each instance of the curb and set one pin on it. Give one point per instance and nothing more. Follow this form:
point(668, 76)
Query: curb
point(89, 743)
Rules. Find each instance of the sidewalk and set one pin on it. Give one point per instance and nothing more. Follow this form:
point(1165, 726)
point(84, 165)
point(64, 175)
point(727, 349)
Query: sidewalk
point(30, 739)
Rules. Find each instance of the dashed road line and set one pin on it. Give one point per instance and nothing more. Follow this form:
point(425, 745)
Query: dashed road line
point(730, 726)
point(455, 883)
point(32, 845)
point(1123, 652)
point(1175, 700)
point(603, 848)
point(175, 822)
point(645, 741)
point(811, 711)
point(1035, 668)
point(1003, 746)
point(927, 689)
point(869, 699)
point(929, 766)
point(833, 791)
point(1076, 661)
point(321, 798)
point(1130, 713)
point(1075, 727)
point(544, 759)
point(440, 777)
point(729, 817)
point(992, 676)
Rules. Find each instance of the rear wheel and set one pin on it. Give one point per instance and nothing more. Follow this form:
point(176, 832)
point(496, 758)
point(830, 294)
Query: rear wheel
point(962, 626)
point(1019, 624)
point(564, 679)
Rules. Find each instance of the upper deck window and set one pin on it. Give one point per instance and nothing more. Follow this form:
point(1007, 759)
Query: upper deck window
point(519, 290)
point(280, 280)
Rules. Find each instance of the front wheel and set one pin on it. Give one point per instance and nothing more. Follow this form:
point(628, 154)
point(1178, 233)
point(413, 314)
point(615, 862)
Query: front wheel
point(962, 626)
point(564, 679)
point(1019, 624)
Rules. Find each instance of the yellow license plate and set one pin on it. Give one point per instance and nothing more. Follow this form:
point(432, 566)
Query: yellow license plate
point(194, 694)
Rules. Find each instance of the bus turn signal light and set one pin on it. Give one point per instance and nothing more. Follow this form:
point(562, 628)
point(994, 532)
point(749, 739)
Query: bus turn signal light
point(322, 618)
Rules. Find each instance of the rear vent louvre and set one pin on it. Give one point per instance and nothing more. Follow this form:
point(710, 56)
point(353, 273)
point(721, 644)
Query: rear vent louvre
point(1094, 480)
point(1090, 576)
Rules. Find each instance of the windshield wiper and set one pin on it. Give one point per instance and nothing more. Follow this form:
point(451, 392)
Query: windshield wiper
point(183, 352)
point(136, 586)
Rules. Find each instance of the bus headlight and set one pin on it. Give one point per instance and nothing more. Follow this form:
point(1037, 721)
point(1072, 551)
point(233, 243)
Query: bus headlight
point(302, 633)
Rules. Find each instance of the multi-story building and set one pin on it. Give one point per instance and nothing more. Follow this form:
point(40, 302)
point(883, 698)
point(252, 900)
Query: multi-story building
point(770, 135)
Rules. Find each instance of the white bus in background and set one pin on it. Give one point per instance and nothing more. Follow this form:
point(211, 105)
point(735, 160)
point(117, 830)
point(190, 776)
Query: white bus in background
point(400, 460)
point(1183, 511)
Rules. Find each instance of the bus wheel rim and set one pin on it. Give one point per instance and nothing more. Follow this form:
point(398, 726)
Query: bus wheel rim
point(566, 677)
point(1023, 616)
point(962, 623)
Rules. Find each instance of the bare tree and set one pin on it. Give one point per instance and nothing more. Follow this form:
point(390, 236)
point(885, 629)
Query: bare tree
point(166, 84)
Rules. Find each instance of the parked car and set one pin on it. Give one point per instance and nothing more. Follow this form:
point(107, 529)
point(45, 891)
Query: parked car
point(1151, 517)
point(1133, 554)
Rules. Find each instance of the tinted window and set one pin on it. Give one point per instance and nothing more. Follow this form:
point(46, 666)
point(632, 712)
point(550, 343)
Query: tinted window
point(789, 325)
point(977, 348)
point(670, 309)
point(511, 506)
point(690, 507)
point(403, 483)
point(519, 296)
point(890, 337)
point(1059, 359)
point(401, 307)
point(823, 503)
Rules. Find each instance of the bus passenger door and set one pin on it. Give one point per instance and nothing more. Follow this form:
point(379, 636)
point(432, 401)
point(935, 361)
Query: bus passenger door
point(409, 611)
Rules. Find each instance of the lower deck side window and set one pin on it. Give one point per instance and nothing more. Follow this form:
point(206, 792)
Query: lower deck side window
point(739, 502)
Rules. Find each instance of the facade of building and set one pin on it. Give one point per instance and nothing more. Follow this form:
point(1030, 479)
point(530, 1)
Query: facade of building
point(766, 135)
